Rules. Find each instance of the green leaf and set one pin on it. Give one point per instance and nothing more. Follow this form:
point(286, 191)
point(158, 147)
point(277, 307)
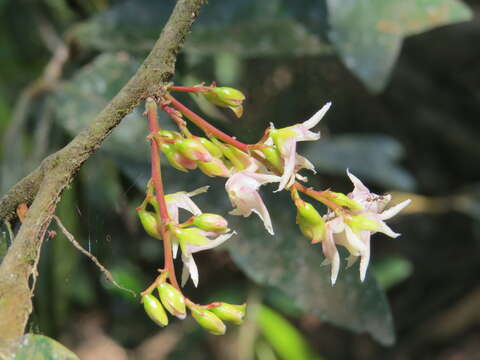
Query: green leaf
point(290, 263)
point(36, 347)
point(368, 33)
point(245, 28)
point(287, 341)
point(80, 100)
point(392, 270)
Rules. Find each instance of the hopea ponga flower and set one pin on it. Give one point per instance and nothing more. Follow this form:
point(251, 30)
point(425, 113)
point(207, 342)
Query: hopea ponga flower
point(286, 140)
point(354, 231)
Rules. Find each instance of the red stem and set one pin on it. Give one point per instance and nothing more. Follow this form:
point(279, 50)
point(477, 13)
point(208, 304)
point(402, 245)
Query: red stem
point(205, 125)
point(193, 89)
point(159, 193)
point(319, 196)
point(210, 129)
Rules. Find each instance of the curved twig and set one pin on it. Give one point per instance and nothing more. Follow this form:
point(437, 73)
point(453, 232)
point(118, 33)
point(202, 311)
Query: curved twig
point(57, 171)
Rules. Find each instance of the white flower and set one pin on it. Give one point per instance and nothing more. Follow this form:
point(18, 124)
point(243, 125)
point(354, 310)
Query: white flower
point(242, 190)
point(286, 141)
point(354, 231)
point(202, 240)
point(189, 266)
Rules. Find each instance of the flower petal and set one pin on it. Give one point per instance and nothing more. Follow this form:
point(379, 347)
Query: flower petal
point(331, 253)
point(315, 119)
point(394, 210)
point(211, 244)
point(189, 269)
point(290, 148)
point(359, 188)
point(365, 257)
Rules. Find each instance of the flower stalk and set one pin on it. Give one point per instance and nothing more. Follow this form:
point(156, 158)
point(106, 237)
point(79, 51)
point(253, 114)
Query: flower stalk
point(152, 115)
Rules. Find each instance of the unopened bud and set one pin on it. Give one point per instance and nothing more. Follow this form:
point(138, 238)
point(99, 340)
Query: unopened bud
point(230, 312)
point(361, 222)
point(213, 168)
point(177, 160)
point(193, 149)
point(213, 149)
point(226, 97)
point(154, 309)
point(345, 201)
point(310, 221)
point(211, 222)
point(149, 223)
point(273, 156)
point(209, 321)
point(172, 299)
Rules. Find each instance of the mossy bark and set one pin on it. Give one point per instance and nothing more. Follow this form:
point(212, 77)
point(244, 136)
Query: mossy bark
point(43, 187)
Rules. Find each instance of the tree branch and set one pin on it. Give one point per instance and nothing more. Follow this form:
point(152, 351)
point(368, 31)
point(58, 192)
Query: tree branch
point(45, 184)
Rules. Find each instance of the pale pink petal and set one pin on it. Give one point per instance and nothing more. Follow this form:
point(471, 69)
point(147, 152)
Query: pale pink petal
point(174, 249)
point(211, 244)
point(303, 163)
point(242, 191)
point(289, 152)
point(359, 188)
point(385, 229)
point(189, 269)
point(315, 119)
point(394, 210)
point(365, 257)
point(353, 244)
point(331, 253)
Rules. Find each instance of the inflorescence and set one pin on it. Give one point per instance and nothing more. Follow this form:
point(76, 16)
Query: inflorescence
point(350, 219)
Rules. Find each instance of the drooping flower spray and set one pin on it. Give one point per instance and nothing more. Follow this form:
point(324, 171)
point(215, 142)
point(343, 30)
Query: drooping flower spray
point(350, 220)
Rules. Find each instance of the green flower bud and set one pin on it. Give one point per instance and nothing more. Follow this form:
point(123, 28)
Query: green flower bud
point(361, 222)
point(230, 312)
point(210, 222)
point(226, 97)
point(310, 222)
point(308, 212)
point(149, 223)
point(345, 201)
point(273, 156)
point(193, 149)
point(173, 156)
point(213, 168)
point(154, 309)
point(209, 321)
point(213, 149)
point(172, 299)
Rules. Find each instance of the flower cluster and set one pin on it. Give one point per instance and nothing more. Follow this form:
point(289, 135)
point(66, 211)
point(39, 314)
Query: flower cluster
point(171, 299)
point(350, 219)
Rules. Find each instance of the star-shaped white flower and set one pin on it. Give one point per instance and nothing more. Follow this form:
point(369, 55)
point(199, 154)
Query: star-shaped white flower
point(286, 141)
